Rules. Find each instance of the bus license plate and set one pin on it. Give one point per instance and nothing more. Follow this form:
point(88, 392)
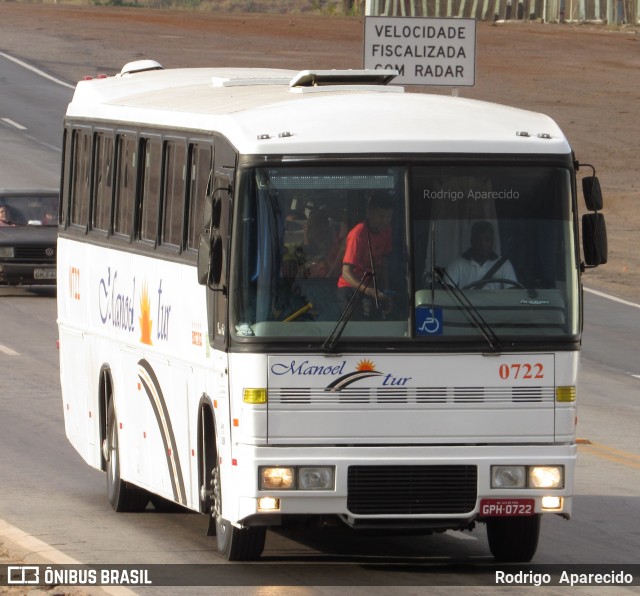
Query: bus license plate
point(44, 274)
point(506, 507)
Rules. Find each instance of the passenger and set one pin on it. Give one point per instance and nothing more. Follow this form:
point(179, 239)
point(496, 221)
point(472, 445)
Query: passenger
point(321, 246)
point(50, 216)
point(369, 242)
point(480, 263)
point(6, 218)
point(294, 222)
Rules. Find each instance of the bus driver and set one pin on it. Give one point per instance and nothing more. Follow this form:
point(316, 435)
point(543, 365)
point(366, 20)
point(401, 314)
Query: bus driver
point(480, 263)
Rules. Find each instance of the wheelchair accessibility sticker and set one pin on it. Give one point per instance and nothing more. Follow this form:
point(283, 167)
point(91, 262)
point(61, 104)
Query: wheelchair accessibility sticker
point(428, 321)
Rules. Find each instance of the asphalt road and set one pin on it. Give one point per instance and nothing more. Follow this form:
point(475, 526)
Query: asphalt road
point(31, 110)
point(52, 496)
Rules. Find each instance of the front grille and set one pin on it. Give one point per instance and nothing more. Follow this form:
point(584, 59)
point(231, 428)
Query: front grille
point(35, 253)
point(502, 396)
point(412, 489)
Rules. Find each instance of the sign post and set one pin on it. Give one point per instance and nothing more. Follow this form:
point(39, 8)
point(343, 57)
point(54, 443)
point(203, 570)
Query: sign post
point(425, 51)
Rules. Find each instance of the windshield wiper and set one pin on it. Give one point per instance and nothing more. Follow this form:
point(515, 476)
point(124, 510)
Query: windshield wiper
point(367, 277)
point(468, 309)
point(331, 341)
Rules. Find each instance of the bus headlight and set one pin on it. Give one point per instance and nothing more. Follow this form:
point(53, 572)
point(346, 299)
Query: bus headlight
point(296, 477)
point(508, 477)
point(277, 478)
point(316, 478)
point(546, 477)
point(527, 476)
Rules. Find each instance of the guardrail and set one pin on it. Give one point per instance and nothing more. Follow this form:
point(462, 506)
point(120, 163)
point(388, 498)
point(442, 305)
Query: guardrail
point(614, 12)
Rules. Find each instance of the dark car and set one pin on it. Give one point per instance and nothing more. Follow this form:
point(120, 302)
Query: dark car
point(28, 236)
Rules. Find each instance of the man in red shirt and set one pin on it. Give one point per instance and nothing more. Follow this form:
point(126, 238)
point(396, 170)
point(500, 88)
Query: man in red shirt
point(369, 241)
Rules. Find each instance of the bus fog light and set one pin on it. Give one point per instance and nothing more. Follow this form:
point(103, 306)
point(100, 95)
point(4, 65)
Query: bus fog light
point(508, 477)
point(546, 477)
point(276, 478)
point(552, 502)
point(316, 478)
point(268, 504)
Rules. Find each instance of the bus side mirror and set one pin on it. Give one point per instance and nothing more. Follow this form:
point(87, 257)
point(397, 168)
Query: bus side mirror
point(204, 259)
point(211, 245)
point(592, 193)
point(204, 243)
point(210, 260)
point(594, 239)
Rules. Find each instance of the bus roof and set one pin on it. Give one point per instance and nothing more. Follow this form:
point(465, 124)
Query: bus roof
point(284, 112)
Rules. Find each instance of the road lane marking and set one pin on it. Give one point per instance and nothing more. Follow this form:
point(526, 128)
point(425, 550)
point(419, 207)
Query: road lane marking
point(36, 70)
point(39, 549)
point(13, 123)
point(618, 456)
point(8, 351)
point(620, 300)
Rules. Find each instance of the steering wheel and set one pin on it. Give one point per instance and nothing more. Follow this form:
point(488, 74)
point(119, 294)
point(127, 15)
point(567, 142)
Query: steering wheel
point(494, 280)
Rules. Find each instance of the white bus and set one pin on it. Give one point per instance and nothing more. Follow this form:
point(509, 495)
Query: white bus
point(210, 354)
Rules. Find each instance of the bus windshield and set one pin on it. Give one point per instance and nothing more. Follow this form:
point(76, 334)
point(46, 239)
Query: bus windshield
point(409, 252)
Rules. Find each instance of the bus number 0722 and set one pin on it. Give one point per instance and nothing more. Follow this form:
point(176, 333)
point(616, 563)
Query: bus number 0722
point(521, 371)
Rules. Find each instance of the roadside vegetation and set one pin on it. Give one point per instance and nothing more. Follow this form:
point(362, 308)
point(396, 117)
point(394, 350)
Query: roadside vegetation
point(319, 7)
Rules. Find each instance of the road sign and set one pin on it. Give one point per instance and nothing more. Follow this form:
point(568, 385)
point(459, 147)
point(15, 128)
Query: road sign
point(424, 51)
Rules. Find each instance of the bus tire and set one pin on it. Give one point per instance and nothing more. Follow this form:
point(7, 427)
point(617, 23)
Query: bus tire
point(235, 544)
point(513, 539)
point(123, 496)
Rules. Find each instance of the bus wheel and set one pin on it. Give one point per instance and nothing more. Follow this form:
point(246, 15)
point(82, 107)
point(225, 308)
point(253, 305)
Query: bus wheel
point(123, 496)
point(513, 539)
point(235, 544)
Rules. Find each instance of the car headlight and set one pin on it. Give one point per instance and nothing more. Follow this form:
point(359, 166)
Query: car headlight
point(7, 252)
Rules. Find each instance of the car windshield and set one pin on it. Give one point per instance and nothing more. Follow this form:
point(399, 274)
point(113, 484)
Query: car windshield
point(28, 210)
point(439, 253)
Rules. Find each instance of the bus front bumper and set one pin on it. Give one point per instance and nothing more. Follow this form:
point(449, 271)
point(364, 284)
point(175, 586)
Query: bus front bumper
point(430, 486)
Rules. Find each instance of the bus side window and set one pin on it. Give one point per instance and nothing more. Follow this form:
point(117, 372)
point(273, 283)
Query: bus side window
point(126, 178)
point(174, 191)
point(81, 177)
point(150, 195)
point(102, 182)
point(201, 178)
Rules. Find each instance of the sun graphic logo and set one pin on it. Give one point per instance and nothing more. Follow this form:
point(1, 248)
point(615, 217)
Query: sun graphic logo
point(146, 324)
point(365, 368)
point(366, 365)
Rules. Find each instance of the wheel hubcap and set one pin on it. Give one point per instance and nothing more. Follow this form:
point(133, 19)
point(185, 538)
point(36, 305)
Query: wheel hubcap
point(216, 508)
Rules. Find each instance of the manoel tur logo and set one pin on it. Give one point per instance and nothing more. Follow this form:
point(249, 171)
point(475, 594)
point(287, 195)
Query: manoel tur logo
point(364, 369)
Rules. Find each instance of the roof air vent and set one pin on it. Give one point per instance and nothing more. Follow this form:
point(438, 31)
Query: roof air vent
point(317, 78)
point(140, 66)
